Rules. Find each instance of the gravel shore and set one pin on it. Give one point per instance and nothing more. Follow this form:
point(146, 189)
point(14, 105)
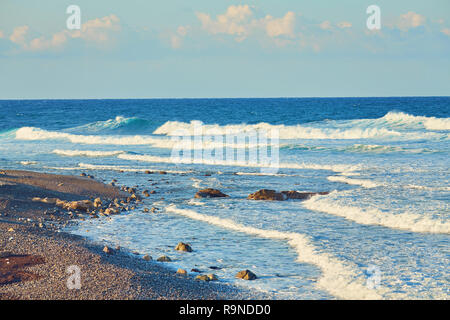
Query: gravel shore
point(35, 256)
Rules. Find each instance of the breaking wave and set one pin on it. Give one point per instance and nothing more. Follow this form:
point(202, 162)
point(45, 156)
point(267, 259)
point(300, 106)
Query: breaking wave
point(337, 278)
point(371, 216)
point(87, 153)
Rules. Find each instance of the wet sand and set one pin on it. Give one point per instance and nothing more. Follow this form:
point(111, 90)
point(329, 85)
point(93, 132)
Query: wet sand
point(35, 255)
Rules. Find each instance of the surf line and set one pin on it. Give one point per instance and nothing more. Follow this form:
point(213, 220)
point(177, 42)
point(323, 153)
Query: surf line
point(337, 278)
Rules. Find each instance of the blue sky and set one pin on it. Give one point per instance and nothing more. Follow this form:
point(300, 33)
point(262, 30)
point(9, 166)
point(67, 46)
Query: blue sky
point(204, 48)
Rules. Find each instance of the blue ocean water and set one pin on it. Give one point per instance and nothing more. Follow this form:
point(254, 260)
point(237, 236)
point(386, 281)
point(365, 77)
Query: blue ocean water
point(382, 232)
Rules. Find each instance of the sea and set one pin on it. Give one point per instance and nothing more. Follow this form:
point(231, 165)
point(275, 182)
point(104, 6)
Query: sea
point(381, 232)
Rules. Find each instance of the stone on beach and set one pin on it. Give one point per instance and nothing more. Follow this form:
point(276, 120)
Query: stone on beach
point(164, 259)
point(110, 211)
point(212, 277)
point(147, 257)
point(183, 247)
point(108, 250)
point(83, 205)
point(246, 275)
point(202, 277)
point(97, 203)
point(181, 271)
point(210, 193)
point(5, 254)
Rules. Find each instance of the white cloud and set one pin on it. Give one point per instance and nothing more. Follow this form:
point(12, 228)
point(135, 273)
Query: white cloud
point(98, 30)
point(326, 25)
point(57, 41)
point(239, 21)
point(176, 38)
point(232, 22)
point(410, 20)
point(175, 41)
point(344, 24)
point(182, 31)
point(281, 26)
point(18, 35)
point(446, 31)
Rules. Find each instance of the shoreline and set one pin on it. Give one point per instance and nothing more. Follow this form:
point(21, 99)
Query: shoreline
point(35, 253)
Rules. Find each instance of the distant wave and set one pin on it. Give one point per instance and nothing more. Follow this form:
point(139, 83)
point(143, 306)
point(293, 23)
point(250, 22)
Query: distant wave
point(119, 123)
point(371, 216)
point(87, 153)
point(361, 148)
point(32, 133)
point(175, 128)
point(429, 123)
point(337, 278)
point(386, 126)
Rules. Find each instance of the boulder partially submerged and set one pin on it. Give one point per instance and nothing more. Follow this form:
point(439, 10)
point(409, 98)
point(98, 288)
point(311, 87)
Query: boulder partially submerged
point(210, 193)
point(301, 195)
point(266, 194)
point(183, 247)
point(246, 275)
point(272, 195)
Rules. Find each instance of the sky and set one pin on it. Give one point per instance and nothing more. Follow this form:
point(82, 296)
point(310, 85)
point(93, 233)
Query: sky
point(223, 48)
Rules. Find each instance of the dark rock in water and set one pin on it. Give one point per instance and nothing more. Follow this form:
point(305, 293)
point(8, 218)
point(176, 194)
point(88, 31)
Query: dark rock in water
point(301, 195)
point(148, 172)
point(195, 270)
point(82, 174)
point(215, 268)
point(108, 250)
point(147, 257)
point(246, 275)
point(212, 277)
point(265, 194)
point(162, 172)
point(183, 247)
point(202, 277)
point(182, 271)
point(210, 193)
point(164, 259)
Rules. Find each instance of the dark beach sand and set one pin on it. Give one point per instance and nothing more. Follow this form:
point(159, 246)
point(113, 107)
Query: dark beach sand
point(34, 255)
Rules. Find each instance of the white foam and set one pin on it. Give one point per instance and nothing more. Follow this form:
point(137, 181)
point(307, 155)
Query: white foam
point(429, 123)
point(371, 216)
point(87, 153)
point(359, 182)
point(180, 160)
point(418, 187)
point(337, 278)
point(176, 128)
point(28, 163)
point(194, 202)
point(31, 133)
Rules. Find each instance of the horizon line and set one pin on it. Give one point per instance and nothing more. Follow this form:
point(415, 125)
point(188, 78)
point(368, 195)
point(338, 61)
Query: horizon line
point(230, 98)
